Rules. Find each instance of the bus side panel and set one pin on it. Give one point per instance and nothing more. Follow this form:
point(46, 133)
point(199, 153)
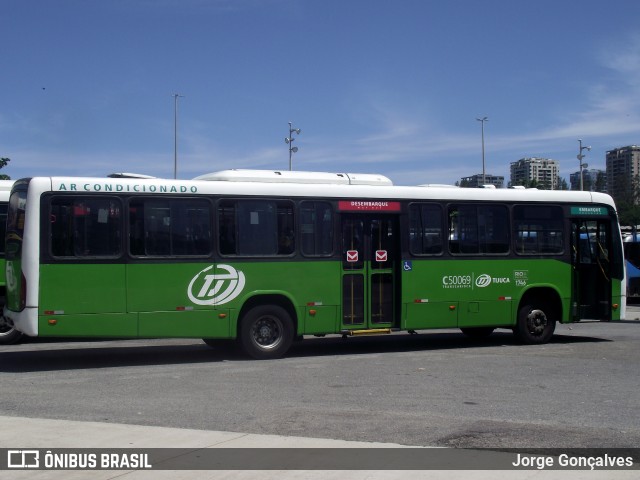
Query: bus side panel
point(185, 324)
point(428, 314)
point(618, 298)
point(88, 325)
point(428, 304)
point(485, 314)
point(162, 287)
point(158, 293)
point(312, 287)
point(482, 292)
point(173, 301)
point(84, 299)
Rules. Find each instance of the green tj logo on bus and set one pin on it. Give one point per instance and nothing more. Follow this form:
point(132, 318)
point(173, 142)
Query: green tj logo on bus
point(206, 288)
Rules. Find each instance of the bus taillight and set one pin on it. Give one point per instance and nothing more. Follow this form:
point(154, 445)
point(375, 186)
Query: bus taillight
point(23, 292)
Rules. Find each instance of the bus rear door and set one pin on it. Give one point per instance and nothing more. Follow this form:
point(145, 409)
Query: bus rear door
point(370, 256)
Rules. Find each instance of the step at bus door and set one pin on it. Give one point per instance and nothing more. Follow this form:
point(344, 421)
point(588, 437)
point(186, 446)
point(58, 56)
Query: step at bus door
point(369, 271)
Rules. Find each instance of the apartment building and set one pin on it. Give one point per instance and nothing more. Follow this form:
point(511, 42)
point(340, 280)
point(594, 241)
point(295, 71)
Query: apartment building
point(543, 171)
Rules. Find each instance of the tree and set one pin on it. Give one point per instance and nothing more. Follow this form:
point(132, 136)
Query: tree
point(627, 200)
point(562, 184)
point(3, 163)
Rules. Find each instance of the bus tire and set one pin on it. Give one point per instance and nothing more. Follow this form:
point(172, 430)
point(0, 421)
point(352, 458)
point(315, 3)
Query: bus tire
point(477, 332)
point(266, 332)
point(535, 325)
point(8, 334)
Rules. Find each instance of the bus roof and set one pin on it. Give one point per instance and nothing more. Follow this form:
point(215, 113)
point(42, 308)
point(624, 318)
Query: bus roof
point(128, 175)
point(274, 188)
point(5, 189)
point(297, 176)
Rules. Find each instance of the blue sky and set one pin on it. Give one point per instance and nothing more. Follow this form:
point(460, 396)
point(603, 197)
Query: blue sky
point(391, 87)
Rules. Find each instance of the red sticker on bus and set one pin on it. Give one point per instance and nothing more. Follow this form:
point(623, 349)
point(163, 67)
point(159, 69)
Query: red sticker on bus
point(368, 206)
point(381, 255)
point(352, 256)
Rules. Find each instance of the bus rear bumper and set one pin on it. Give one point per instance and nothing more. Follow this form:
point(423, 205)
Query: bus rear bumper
point(25, 321)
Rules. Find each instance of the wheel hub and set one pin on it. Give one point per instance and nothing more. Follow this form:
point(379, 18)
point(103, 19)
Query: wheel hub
point(537, 321)
point(266, 333)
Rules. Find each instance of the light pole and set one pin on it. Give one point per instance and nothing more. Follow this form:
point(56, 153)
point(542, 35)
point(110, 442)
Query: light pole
point(289, 141)
point(482, 120)
point(582, 165)
point(175, 134)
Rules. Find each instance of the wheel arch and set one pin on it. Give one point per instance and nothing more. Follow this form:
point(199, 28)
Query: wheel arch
point(544, 295)
point(278, 299)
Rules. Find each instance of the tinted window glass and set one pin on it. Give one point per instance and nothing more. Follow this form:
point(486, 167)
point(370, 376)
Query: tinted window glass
point(316, 228)
point(85, 227)
point(425, 231)
point(478, 229)
point(172, 227)
point(538, 229)
point(256, 227)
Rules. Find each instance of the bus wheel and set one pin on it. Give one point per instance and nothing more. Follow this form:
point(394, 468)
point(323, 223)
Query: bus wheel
point(8, 334)
point(477, 332)
point(266, 332)
point(534, 325)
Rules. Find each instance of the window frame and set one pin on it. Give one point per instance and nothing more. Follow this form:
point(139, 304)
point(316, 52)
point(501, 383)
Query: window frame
point(482, 251)
point(226, 202)
point(332, 228)
point(171, 200)
point(47, 217)
point(443, 232)
point(516, 221)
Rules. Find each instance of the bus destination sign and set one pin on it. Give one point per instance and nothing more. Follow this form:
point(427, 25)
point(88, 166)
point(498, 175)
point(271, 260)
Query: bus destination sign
point(368, 206)
point(589, 210)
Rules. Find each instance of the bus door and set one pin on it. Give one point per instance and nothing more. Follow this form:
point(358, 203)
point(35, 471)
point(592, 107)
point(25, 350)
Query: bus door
point(592, 267)
point(370, 253)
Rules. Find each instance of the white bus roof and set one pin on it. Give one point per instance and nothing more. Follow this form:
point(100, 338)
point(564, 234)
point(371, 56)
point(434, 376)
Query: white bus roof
point(128, 175)
point(277, 176)
point(5, 185)
point(5, 189)
point(344, 188)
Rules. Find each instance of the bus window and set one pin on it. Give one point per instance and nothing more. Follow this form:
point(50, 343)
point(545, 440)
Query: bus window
point(176, 227)
point(316, 228)
point(425, 232)
point(256, 227)
point(85, 227)
point(478, 229)
point(538, 229)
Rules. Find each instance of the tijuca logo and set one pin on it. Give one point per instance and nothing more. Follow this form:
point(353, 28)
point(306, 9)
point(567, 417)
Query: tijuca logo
point(207, 288)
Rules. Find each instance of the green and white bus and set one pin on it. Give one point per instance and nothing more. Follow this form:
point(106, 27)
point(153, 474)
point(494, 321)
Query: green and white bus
point(8, 334)
point(266, 258)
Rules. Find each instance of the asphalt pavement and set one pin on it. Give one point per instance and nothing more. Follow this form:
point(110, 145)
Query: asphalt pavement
point(64, 437)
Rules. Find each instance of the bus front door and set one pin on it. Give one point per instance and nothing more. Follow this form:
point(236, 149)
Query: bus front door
point(592, 288)
point(370, 252)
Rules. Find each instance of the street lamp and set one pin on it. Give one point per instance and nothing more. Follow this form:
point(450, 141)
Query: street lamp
point(175, 134)
point(582, 165)
point(289, 141)
point(482, 120)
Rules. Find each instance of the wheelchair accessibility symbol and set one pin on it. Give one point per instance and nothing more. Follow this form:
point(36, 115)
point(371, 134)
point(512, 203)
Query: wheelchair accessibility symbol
point(407, 265)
